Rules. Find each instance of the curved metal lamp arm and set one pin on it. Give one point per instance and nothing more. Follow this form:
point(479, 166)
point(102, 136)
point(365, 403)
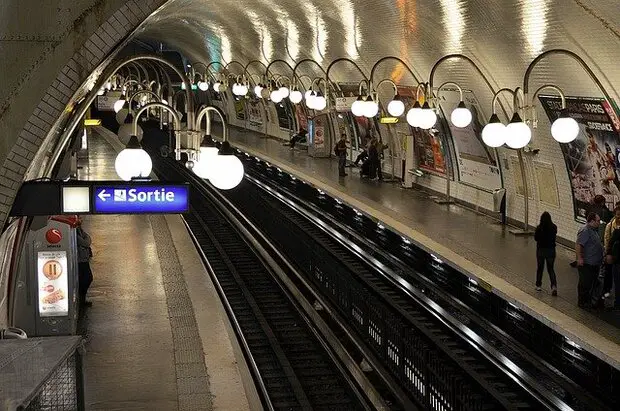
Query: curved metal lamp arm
point(234, 62)
point(204, 111)
point(533, 100)
point(268, 74)
point(389, 81)
point(496, 97)
point(584, 65)
point(305, 61)
point(214, 62)
point(344, 59)
point(317, 81)
point(449, 83)
point(199, 63)
point(359, 87)
point(133, 96)
point(474, 65)
point(300, 77)
point(175, 116)
point(401, 61)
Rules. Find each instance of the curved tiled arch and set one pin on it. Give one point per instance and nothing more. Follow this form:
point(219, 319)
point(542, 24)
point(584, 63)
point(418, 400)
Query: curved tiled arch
point(85, 60)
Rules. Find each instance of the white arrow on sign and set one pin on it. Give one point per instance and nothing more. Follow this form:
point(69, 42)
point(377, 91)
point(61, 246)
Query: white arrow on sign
point(103, 196)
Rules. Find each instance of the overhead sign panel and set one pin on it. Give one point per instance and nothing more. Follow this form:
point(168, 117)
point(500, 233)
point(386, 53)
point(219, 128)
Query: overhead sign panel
point(140, 199)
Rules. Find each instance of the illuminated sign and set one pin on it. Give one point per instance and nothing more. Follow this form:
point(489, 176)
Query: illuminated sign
point(140, 199)
point(388, 120)
point(92, 122)
point(53, 283)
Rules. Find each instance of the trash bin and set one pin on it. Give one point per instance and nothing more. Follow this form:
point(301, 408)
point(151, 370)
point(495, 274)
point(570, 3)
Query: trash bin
point(499, 203)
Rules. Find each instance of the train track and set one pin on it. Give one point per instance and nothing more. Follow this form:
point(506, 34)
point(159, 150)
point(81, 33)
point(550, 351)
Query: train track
point(538, 373)
point(293, 367)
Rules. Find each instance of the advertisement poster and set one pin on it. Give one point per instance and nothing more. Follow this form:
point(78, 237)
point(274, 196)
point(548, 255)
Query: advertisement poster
point(477, 163)
point(240, 108)
point(285, 120)
point(106, 102)
point(53, 283)
point(365, 127)
point(318, 129)
point(300, 115)
point(592, 159)
point(254, 112)
point(429, 145)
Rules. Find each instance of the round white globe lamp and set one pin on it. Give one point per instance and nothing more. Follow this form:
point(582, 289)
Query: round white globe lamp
point(320, 102)
point(414, 114)
point(357, 108)
point(518, 134)
point(284, 91)
point(296, 96)
point(257, 90)
point(229, 169)
point(428, 118)
point(371, 108)
point(494, 133)
point(204, 168)
point(461, 116)
point(133, 162)
point(564, 129)
point(276, 96)
point(203, 85)
point(396, 107)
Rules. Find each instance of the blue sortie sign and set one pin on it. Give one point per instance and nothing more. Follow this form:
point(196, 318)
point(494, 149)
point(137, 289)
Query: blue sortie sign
point(141, 199)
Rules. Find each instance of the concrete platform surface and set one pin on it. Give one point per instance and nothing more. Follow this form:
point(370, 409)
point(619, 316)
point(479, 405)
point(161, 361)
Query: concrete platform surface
point(157, 335)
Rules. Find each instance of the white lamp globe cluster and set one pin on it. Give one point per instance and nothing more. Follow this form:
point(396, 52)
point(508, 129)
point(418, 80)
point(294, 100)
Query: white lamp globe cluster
point(227, 170)
point(240, 89)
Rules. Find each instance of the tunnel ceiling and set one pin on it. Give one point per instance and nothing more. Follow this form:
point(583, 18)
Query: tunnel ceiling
point(503, 37)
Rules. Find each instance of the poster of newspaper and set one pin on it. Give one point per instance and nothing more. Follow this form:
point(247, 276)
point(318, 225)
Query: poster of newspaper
point(477, 163)
point(593, 158)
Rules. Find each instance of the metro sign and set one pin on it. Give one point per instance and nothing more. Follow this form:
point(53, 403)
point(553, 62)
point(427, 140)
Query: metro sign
point(140, 199)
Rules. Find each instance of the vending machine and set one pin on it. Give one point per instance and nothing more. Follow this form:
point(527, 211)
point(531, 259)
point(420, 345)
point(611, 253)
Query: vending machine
point(44, 297)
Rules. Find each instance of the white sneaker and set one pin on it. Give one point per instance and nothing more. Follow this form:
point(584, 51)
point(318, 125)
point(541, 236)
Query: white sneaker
point(538, 288)
point(606, 295)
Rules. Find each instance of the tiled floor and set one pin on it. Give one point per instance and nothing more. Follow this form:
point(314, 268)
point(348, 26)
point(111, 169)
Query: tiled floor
point(476, 237)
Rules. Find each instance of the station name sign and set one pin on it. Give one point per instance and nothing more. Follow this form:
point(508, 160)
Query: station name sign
point(41, 198)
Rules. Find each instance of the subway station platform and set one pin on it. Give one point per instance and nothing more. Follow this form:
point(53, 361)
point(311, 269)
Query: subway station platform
point(157, 335)
point(474, 242)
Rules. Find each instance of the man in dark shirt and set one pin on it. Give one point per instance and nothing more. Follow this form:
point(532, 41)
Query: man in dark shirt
point(341, 151)
point(589, 250)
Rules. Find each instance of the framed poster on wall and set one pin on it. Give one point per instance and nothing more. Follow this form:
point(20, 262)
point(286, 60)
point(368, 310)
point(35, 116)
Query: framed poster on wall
point(547, 183)
point(591, 160)
point(254, 112)
point(518, 178)
point(428, 145)
point(477, 163)
point(240, 108)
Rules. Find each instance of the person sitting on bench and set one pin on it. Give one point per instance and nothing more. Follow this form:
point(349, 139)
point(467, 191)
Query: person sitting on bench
point(298, 138)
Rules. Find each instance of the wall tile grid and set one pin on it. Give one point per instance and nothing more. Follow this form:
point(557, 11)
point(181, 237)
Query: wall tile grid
point(59, 94)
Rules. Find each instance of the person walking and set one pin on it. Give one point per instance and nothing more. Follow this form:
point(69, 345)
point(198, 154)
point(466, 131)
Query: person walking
point(85, 274)
point(589, 251)
point(341, 152)
point(545, 251)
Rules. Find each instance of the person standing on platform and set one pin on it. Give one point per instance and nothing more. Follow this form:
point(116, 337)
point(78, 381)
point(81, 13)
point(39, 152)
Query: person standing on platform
point(613, 225)
point(545, 251)
point(85, 274)
point(341, 152)
point(599, 207)
point(613, 258)
point(589, 251)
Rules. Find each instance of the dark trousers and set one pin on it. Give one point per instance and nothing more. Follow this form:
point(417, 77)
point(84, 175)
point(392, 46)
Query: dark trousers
point(609, 278)
point(587, 276)
point(295, 139)
point(85, 278)
point(375, 168)
point(342, 162)
point(549, 258)
point(616, 274)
